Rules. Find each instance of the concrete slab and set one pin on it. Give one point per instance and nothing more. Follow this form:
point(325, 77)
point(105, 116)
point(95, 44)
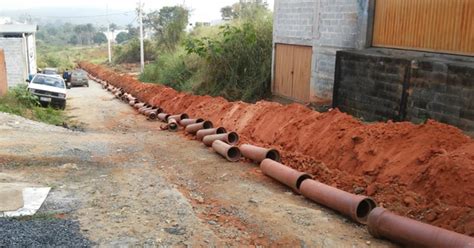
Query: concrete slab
point(11, 199)
point(33, 198)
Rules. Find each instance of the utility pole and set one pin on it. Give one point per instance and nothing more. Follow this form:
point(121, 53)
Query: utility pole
point(142, 50)
point(108, 35)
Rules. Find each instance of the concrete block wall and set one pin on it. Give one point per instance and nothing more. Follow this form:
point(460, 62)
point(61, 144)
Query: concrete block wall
point(370, 87)
point(327, 26)
point(443, 91)
point(378, 85)
point(294, 22)
point(340, 26)
point(15, 59)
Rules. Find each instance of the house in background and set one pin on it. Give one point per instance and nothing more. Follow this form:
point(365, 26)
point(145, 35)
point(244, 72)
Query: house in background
point(306, 36)
point(112, 35)
point(19, 45)
point(378, 59)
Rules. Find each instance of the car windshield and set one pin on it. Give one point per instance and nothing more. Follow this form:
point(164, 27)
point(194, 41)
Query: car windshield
point(49, 81)
point(79, 74)
point(49, 72)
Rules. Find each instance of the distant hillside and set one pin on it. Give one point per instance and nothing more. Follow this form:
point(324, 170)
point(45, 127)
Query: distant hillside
point(74, 16)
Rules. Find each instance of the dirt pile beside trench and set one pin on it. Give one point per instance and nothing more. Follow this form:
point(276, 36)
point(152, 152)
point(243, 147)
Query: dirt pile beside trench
point(424, 171)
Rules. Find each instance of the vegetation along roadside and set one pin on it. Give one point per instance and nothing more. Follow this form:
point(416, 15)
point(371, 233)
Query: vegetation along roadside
point(20, 102)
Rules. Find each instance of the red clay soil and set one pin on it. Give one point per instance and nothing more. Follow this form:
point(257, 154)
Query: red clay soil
point(425, 172)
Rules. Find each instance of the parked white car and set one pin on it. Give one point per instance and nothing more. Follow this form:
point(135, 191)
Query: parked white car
point(50, 89)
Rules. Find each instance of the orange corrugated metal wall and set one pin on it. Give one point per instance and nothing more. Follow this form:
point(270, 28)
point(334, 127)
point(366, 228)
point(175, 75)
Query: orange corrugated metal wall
point(428, 25)
point(3, 74)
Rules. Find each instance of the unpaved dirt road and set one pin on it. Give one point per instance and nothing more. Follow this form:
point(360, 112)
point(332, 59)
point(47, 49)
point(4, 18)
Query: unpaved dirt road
point(129, 184)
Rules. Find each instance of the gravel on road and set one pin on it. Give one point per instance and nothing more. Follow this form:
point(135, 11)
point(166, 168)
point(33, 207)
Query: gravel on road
point(41, 233)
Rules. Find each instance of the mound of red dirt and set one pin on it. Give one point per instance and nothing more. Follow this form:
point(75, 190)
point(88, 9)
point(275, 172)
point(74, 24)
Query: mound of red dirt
point(424, 171)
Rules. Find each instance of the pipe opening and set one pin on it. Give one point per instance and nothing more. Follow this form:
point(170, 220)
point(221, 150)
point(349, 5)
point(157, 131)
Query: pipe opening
point(159, 110)
point(199, 120)
point(233, 138)
point(220, 130)
point(173, 126)
point(207, 125)
point(300, 180)
point(364, 207)
point(152, 116)
point(273, 155)
point(233, 153)
point(184, 116)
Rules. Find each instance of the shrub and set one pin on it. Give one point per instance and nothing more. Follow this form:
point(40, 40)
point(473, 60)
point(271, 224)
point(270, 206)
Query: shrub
point(20, 101)
point(174, 69)
point(238, 60)
point(61, 61)
point(24, 97)
point(122, 37)
point(130, 52)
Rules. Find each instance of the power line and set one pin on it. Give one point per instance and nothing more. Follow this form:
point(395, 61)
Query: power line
point(136, 17)
point(91, 16)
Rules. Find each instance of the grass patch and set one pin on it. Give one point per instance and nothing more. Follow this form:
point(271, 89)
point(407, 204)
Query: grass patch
point(175, 69)
point(66, 57)
point(19, 101)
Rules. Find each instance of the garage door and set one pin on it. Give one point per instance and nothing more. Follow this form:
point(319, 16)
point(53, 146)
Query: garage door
point(292, 73)
point(426, 25)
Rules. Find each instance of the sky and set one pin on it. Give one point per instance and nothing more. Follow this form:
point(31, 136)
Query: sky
point(201, 10)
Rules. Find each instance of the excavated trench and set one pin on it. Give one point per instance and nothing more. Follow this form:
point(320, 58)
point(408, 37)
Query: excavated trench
point(424, 172)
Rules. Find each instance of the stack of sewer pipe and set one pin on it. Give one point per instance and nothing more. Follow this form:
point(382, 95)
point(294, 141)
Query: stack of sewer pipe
point(381, 222)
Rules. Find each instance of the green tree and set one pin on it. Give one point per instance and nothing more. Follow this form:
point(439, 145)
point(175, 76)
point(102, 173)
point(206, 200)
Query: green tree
point(122, 37)
point(74, 40)
point(227, 13)
point(100, 38)
point(238, 59)
point(130, 52)
point(169, 23)
point(85, 33)
point(113, 27)
point(245, 10)
point(132, 31)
